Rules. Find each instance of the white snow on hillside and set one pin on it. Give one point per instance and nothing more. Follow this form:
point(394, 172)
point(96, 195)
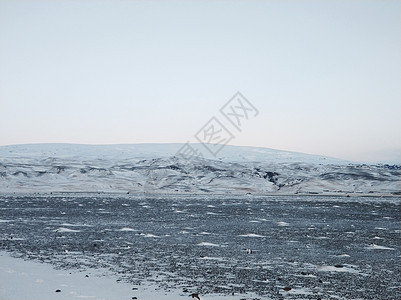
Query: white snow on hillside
point(145, 151)
point(149, 168)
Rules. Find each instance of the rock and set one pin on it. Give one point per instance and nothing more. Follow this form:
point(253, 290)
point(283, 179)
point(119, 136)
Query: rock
point(195, 296)
point(86, 275)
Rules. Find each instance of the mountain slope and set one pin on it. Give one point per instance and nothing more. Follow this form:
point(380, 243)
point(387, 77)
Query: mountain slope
point(146, 151)
point(149, 168)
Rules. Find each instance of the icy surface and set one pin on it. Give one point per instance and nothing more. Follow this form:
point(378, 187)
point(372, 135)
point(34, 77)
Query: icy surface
point(329, 247)
point(29, 280)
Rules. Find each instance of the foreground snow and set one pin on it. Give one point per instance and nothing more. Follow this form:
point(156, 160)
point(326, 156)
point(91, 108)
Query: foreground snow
point(30, 280)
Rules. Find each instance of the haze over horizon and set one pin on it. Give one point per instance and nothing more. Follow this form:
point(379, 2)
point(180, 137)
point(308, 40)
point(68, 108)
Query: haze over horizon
point(323, 76)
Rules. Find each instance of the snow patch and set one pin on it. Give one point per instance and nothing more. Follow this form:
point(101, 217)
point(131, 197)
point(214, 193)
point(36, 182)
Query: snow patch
point(127, 229)
point(252, 235)
point(378, 247)
point(283, 223)
point(208, 244)
point(63, 229)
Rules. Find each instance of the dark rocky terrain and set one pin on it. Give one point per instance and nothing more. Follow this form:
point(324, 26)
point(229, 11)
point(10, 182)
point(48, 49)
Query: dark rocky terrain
point(292, 247)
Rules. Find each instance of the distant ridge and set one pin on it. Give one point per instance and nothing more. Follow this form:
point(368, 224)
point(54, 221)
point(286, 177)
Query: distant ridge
point(228, 153)
point(155, 168)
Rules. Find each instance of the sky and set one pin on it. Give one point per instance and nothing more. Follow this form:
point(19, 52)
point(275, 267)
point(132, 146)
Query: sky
point(323, 76)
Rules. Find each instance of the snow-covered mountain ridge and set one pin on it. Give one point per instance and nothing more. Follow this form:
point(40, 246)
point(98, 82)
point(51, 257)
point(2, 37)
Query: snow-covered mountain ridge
point(149, 168)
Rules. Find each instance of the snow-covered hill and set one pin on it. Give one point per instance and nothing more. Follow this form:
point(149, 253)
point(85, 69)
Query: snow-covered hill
point(149, 168)
point(146, 151)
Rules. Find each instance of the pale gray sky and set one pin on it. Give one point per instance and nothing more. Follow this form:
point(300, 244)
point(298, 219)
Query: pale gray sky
point(324, 75)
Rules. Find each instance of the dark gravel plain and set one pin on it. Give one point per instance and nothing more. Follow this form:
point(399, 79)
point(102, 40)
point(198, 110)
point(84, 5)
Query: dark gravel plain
point(279, 247)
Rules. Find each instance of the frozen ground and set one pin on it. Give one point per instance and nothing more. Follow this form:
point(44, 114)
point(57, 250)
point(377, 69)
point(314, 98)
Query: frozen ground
point(265, 247)
point(31, 280)
point(20, 280)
